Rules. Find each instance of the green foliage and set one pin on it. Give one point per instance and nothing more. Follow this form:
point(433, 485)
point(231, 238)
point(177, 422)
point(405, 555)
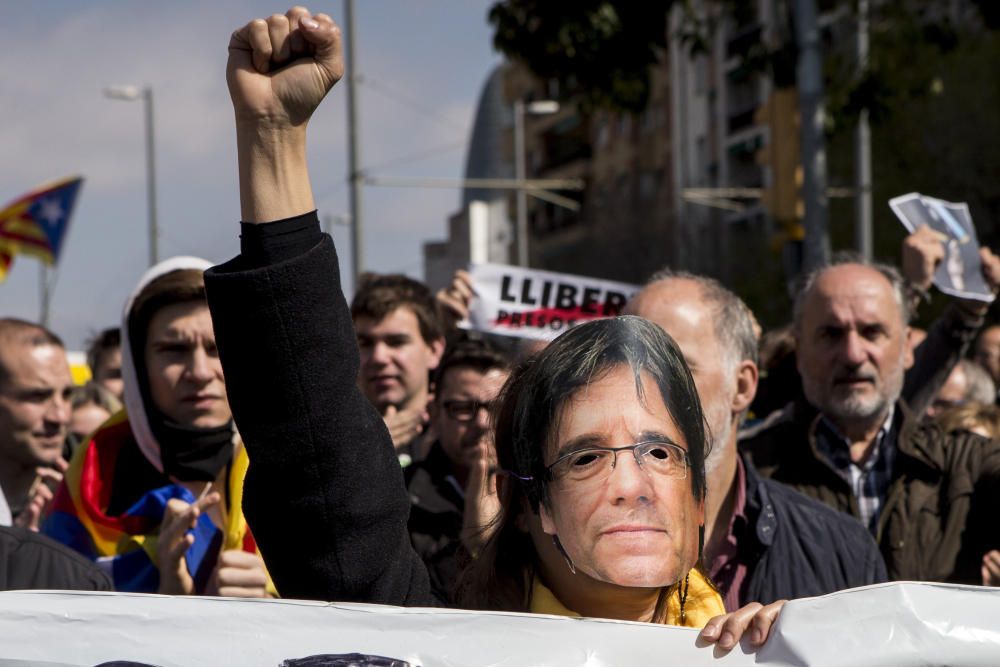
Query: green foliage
point(936, 137)
point(600, 51)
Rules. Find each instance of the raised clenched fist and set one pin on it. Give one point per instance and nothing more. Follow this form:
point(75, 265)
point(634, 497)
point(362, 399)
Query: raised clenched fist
point(280, 68)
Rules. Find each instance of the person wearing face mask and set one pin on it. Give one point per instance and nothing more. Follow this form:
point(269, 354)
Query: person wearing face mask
point(155, 495)
point(601, 435)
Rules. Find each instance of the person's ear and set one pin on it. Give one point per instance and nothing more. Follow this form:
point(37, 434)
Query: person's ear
point(747, 378)
point(436, 347)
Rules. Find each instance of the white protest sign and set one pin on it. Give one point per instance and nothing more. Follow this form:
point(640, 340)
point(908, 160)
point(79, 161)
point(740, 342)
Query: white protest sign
point(92, 628)
point(961, 272)
point(890, 624)
point(529, 303)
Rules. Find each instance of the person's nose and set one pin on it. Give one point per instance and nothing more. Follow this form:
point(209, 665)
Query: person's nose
point(59, 410)
point(380, 354)
point(482, 417)
point(854, 350)
point(628, 482)
point(200, 367)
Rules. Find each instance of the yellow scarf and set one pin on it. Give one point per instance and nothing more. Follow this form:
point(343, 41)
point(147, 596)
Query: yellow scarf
point(703, 602)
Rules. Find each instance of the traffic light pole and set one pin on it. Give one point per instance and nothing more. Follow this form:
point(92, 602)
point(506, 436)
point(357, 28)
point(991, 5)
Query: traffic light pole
point(863, 151)
point(809, 74)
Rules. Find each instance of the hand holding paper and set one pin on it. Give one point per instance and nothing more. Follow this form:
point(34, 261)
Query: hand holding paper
point(962, 271)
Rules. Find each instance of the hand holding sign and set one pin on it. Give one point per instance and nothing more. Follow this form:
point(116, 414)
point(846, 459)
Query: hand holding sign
point(923, 252)
point(960, 272)
point(455, 300)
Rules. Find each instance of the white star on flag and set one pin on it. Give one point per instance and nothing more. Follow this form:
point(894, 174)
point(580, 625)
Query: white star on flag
point(50, 212)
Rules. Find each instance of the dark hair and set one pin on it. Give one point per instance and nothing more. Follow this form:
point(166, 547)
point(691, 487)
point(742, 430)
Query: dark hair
point(478, 354)
point(15, 332)
point(181, 286)
point(103, 342)
point(378, 295)
point(527, 419)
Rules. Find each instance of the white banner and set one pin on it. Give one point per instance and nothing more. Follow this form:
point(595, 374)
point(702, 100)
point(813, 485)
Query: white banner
point(891, 624)
point(528, 303)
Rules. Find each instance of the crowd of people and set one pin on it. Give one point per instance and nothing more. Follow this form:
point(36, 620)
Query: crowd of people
point(248, 433)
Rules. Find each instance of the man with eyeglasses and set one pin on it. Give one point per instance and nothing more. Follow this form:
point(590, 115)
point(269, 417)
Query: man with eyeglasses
point(462, 458)
point(928, 497)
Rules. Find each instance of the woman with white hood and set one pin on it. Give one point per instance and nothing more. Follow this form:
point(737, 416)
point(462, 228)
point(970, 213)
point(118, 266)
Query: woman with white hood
point(155, 496)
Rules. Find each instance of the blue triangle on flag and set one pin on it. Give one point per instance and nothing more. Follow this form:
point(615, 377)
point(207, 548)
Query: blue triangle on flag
point(51, 211)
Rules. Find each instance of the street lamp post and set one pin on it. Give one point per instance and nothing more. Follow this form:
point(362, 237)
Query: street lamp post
point(539, 107)
point(131, 94)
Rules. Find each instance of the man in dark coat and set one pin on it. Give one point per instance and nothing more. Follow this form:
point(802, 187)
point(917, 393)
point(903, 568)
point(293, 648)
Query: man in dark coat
point(928, 497)
point(460, 465)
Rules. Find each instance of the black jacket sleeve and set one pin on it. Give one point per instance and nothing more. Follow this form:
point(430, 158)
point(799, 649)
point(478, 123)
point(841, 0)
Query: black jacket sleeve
point(948, 339)
point(324, 494)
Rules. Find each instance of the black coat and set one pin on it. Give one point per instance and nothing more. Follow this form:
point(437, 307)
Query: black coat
point(30, 561)
point(324, 492)
point(436, 519)
point(798, 547)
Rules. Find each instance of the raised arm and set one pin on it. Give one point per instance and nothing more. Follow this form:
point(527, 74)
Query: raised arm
point(324, 494)
point(949, 337)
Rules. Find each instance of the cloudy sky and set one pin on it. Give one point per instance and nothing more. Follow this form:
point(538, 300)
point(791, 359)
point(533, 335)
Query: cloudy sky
point(423, 63)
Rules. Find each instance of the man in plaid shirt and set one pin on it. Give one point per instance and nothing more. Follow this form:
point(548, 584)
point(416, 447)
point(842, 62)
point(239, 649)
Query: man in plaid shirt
point(927, 496)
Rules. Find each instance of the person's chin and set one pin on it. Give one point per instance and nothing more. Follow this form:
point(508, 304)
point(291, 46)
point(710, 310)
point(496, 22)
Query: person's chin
point(856, 406)
point(384, 397)
point(643, 572)
point(46, 453)
point(208, 420)
point(640, 560)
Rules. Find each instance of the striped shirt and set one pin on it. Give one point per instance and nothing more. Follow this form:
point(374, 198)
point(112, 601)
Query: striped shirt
point(870, 479)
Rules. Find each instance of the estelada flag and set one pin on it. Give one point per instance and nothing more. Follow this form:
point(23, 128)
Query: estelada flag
point(36, 223)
